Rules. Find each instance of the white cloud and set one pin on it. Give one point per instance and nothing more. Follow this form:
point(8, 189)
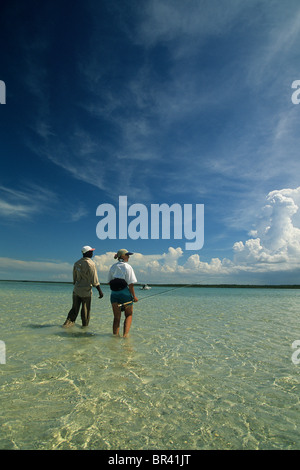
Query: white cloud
point(15, 210)
point(144, 264)
point(15, 203)
point(275, 247)
point(35, 270)
point(165, 267)
point(278, 45)
point(277, 234)
point(166, 20)
point(9, 263)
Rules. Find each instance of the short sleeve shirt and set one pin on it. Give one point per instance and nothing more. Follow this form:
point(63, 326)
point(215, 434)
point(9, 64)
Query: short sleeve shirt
point(84, 277)
point(122, 270)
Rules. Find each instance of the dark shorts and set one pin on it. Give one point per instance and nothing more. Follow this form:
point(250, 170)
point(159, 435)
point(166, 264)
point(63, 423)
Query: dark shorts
point(121, 296)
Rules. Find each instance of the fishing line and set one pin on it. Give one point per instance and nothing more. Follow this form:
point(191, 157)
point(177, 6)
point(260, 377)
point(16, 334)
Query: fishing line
point(157, 293)
point(165, 291)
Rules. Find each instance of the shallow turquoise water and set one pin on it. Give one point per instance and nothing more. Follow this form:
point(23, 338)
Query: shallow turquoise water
point(203, 368)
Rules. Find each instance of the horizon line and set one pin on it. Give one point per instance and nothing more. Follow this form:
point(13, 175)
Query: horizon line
point(221, 285)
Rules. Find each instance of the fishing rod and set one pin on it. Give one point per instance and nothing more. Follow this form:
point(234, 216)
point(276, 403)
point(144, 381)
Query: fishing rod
point(153, 295)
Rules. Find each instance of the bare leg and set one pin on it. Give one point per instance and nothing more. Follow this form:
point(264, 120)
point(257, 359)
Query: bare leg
point(128, 320)
point(117, 318)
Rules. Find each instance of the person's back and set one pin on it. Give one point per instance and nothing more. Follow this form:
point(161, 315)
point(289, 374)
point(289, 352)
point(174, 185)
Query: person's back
point(121, 270)
point(84, 276)
point(121, 279)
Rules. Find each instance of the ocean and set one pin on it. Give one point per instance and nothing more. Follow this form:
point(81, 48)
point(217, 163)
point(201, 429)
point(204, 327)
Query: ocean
point(202, 368)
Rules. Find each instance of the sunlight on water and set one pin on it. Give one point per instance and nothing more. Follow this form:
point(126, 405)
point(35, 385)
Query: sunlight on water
point(202, 369)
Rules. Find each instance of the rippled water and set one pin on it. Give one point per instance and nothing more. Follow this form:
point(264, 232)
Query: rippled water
point(203, 368)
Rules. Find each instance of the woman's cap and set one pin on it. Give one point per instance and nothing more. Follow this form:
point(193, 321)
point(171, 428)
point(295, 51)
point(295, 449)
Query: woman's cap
point(123, 252)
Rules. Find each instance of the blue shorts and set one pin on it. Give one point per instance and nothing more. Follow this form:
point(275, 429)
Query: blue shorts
point(121, 296)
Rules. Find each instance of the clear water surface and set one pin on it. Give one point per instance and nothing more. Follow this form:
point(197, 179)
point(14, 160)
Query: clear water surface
point(203, 368)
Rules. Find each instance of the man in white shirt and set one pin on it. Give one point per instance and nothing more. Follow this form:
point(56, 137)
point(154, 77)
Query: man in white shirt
point(121, 279)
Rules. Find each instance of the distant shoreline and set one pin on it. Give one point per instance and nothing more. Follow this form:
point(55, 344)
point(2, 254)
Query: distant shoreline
point(228, 286)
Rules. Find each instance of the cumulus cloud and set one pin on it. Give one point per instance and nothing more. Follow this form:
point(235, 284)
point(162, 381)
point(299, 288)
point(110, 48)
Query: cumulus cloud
point(276, 240)
point(145, 264)
point(274, 246)
point(166, 267)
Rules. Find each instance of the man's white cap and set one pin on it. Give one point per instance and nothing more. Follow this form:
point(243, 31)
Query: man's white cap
point(86, 248)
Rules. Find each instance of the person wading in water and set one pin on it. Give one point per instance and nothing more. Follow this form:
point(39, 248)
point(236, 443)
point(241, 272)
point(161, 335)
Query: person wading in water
point(84, 278)
point(121, 279)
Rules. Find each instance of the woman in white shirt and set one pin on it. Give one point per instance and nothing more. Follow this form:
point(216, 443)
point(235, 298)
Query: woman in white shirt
point(121, 279)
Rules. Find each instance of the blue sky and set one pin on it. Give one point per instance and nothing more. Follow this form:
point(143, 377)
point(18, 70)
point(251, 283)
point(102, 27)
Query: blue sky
point(164, 101)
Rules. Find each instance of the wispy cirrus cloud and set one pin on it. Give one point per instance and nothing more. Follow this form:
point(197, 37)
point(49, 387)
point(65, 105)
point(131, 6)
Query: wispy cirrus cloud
point(167, 20)
point(164, 98)
point(278, 50)
point(24, 203)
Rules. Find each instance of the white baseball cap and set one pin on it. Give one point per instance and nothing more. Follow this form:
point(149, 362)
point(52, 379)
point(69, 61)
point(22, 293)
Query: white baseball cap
point(86, 248)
